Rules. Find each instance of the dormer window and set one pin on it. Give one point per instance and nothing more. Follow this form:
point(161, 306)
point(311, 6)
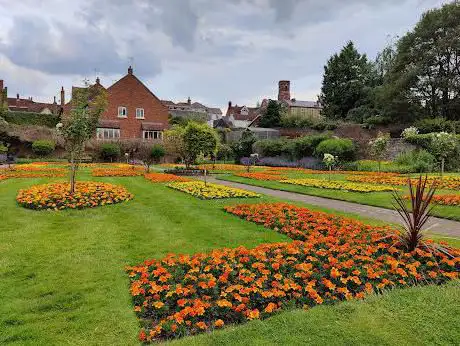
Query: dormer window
point(122, 112)
point(139, 113)
point(244, 111)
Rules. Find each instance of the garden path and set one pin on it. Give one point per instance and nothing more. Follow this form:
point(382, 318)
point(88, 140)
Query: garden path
point(436, 225)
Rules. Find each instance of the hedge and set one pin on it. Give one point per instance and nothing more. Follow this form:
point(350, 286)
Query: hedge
point(292, 148)
point(341, 147)
point(26, 118)
point(43, 147)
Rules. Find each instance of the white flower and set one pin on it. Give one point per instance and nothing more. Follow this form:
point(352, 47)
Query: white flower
point(409, 132)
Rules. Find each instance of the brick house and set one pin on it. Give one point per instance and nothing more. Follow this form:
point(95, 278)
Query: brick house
point(133, 111)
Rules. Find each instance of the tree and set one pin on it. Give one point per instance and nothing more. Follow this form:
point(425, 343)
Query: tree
point(243, 148)
point(173, 141)
point(199, 138)
point(110, 151)
point(379, 147)
point(79, 125)
point(346, 81)
point(43, 147)
point(443, 145)
point(271, 116)
point(149, 154)
point(426, 71)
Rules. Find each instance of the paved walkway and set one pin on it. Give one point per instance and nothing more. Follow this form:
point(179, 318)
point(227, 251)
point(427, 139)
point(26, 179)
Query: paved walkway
point(434, 225)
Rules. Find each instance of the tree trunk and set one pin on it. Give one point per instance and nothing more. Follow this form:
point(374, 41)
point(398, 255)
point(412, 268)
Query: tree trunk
point(442, 167)
point(380, 163)
point(73, 171)
point(330, 169)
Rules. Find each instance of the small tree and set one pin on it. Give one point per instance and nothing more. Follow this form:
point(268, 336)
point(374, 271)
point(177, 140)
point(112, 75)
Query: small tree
point(271, 116)
point(243, 148)
point(199, 138)
point(173, 141)
point(149, 154)
point(443, 145)
point(79, 125)
point(330, 160)
point(158, 152)
point(379, 147)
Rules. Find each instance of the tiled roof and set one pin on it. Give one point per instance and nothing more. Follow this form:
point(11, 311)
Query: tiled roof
point(303, 104)
point(27, 105)
point(253, 112)
point(113, 124)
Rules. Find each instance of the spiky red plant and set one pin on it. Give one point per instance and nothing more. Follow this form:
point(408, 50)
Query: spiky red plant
point(417, 214)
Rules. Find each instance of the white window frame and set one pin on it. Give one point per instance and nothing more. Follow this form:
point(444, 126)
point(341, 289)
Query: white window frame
point(140, 113)
point(107, 133)
point(148, 135)
point(122, 112)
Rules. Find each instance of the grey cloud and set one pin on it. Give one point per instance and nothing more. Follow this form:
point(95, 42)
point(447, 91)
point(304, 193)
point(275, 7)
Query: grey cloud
point(33, 43)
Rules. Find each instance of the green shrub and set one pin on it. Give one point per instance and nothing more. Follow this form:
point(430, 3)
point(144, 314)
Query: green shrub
point(3, 148)
point(419, 160)
point(273, 147)
point(296, 121)
point(43, 147)
point(437, 125)
point(157, 153)
point(305, 146)
point(29, 118)
point(109, 151)
point(324, 125)
point(341, 147)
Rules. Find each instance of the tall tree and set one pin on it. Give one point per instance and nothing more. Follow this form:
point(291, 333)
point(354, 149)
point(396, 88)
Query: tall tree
point(79, 125)
point(271, 116)
point(346, 80)
point(426, 72)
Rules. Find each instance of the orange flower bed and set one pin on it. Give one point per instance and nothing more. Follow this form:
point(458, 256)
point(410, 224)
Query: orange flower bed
point(58, 197)
point(333, 259)
point(453, 200)
point(3, 177)
point(164, 178)
point(9, 173)
point(262, 176)
point(116, 172)
point(446, 183)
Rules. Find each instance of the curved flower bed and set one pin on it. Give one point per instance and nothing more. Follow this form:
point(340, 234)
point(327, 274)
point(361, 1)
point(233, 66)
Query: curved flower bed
point(34, 173)
point(57, 196)
point(453, 200)
point(271, 175)
point(337, 259)
point(339, 185)
point(211, 191)
point(164, 178)
point(116, 172)
point(446, 183)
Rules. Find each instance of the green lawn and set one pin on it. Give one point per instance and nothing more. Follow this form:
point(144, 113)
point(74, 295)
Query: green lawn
point(62, 278)
point(377, 199)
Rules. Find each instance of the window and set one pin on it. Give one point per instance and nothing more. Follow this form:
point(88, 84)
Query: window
point(139, 113)
point(148, 135)
point(107, 133)
point(122, 112)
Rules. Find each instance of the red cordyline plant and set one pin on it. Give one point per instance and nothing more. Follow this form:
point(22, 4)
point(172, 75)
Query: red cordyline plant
point(417, 214)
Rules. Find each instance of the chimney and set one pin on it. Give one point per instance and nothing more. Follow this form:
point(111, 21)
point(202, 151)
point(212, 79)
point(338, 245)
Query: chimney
point(17, 97)
point(1, 85)
point(189, 101)
point(284, 90)
point(62, 97)
point(130, 70)
point(229, 104)
point(54, 102)
point(98, 81)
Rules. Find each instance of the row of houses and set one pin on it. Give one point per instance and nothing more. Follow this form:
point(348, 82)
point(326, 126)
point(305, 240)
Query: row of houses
point(134, 111)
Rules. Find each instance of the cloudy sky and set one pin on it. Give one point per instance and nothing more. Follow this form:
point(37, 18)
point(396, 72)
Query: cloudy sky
point(211, 50)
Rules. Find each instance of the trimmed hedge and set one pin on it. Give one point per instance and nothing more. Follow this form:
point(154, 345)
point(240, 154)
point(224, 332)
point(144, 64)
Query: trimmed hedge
point(43, 147)
point(26, 118)
point(437, 125)
point(292, 148)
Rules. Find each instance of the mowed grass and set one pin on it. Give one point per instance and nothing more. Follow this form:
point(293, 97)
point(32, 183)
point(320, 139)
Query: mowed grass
point(62, 278)
point(377, 199)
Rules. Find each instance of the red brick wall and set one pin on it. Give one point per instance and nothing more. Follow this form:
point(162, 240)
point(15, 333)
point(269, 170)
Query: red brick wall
point(129, 92)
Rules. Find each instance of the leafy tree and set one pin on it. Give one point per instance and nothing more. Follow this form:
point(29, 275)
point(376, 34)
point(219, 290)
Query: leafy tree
point(199, 138)
point(271, 116)
point(346, 82)
point(426, 71)
point(443, 145)
point(173, 141)
point(79, 125)
point(149, 154)
point(243, 148)
point(224, 152)
point(379, 147)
